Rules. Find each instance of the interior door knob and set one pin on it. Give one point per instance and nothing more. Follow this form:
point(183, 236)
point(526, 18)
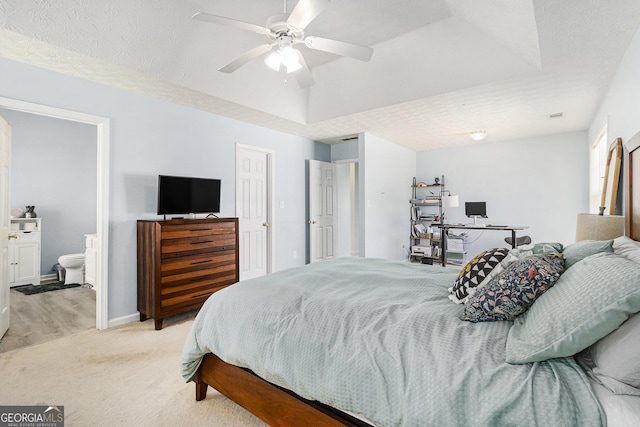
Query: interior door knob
point(265, 224)
point(313, 221)
point(13, 236)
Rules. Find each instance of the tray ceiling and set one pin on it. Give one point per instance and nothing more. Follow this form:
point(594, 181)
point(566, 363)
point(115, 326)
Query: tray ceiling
point(440, 68)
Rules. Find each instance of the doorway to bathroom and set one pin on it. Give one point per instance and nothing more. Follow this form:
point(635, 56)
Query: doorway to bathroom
point(92, 203)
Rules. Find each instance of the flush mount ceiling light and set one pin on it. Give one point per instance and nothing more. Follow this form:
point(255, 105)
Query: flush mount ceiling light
point(478, 135)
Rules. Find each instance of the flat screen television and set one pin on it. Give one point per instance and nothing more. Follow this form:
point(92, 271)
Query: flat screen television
point(475, 209)
point(188, 195)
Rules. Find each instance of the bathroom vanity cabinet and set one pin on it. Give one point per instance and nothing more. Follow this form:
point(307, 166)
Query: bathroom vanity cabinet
point(24, 251)
point(182, 262)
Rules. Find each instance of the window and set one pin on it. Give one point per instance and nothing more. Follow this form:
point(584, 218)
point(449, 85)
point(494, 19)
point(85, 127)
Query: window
point(598, 160)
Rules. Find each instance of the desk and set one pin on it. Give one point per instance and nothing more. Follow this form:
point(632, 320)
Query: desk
point(446, 227)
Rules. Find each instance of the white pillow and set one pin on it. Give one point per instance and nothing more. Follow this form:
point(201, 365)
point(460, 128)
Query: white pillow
point(615, 359)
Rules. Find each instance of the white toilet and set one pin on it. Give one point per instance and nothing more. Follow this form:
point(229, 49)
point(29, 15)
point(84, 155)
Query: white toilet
point(74, 267)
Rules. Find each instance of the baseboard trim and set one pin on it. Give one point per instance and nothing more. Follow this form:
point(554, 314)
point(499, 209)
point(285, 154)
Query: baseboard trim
point(119, 321)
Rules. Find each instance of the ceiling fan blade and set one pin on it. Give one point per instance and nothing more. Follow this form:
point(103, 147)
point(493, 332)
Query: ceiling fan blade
point(339, 48)
point(305, 12)
point(207, 17)
point(246, 57)
point(303, 75)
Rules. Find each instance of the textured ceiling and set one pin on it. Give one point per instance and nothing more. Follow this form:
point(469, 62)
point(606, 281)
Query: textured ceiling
point(440, 68)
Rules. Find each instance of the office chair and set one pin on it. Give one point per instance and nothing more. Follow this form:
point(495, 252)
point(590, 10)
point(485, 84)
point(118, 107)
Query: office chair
point(524, 240)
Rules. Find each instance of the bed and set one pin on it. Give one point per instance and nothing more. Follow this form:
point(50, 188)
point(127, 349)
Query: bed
point(372, 342)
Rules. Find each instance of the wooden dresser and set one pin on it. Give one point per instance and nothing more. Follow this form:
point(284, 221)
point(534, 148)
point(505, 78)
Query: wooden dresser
point(182, 262)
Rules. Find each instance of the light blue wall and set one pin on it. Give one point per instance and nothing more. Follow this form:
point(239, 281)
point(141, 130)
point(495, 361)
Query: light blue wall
point(539, 182)
point(53, 166)
point(149, 137)
point(344, 150)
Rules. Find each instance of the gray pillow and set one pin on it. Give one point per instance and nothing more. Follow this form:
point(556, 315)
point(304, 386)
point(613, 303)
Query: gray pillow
point(589, 301)
point(540, 248)
point(580, 250)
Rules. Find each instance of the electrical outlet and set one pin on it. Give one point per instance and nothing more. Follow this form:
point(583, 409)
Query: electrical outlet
point(295, 254)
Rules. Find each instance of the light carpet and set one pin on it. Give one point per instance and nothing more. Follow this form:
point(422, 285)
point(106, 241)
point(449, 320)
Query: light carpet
point(128, 375)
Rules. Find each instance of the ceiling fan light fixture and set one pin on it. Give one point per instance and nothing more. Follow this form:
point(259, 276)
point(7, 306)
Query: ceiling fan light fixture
point(291, 59)
point(293, 68)
point(284, 56)
point(274, 60)
point(478, 135)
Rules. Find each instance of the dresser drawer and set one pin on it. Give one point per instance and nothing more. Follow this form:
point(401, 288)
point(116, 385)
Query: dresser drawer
point(179, 277)
point(28, 236)
point(197, 230)
point(181, 304)
point(197, 262)
point(194, 245)
point(193, 292)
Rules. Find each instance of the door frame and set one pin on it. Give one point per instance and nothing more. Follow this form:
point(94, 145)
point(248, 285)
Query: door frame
point(354, 220)
point(270, 198)
point(103, 139)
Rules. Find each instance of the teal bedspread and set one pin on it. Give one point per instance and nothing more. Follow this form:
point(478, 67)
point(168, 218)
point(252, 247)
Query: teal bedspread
point(381, 339)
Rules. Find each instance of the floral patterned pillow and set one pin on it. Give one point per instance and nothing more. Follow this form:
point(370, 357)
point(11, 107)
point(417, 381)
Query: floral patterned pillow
point(513, 291)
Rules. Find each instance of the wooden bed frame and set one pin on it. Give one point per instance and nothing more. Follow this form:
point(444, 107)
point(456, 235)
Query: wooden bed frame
point(272, 404)
point(279, 407)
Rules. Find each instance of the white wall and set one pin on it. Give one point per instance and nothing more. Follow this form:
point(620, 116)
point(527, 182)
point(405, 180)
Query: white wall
point(348, 216)
point(539, 182)
point(151, 137)
point(53, 166)
point(386, 173)
point(620, 108)
point(343, 190)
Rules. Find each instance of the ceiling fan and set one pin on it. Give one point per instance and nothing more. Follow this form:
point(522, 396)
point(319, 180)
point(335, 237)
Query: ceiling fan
point(284, 31)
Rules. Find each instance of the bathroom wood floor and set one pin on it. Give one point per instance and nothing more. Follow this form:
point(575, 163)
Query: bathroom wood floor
point(43, 317)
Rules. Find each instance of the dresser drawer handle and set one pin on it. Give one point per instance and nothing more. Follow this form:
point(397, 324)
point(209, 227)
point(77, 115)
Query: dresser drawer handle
point(202, 262)
point(202, 243)
point(201, 295)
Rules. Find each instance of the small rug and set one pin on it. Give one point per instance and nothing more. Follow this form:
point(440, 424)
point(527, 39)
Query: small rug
point(38, 289)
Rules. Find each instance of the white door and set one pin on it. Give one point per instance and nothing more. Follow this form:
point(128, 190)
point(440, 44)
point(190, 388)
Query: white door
point(252, 209)
point(5, 163)
point(322, 210)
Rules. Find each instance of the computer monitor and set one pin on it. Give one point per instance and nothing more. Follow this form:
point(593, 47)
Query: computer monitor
point(475, 210)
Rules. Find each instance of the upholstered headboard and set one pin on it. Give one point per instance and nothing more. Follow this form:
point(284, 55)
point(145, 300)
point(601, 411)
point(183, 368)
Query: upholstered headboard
point(632, 192)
